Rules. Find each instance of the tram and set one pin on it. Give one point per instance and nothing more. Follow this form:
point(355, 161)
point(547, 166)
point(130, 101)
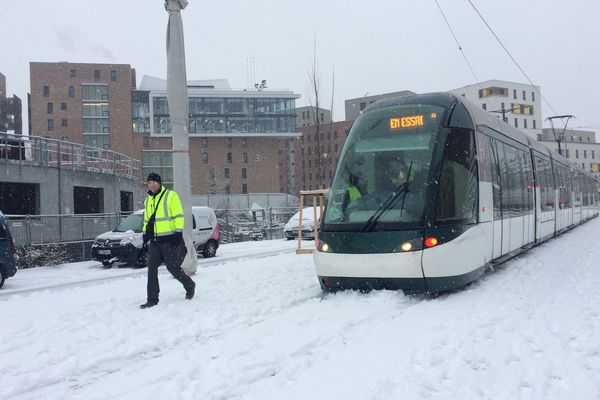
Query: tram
point(430, 191)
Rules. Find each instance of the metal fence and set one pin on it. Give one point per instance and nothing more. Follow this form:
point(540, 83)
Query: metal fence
point(235, 225)
point(239, 225)
point(43, 229)
point(34, 150)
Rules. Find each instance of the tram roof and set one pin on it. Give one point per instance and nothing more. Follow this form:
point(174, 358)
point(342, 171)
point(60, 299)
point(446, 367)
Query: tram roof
point(479, 118)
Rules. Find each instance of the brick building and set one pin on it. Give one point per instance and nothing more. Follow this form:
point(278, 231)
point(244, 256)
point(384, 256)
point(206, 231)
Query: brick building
point(84, 103)
point(240, 140)
point(317, 154)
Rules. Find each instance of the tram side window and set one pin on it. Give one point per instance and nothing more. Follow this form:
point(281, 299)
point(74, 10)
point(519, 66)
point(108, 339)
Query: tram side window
point(577, 188)
point(529, 180)
point(457, 199)
point(564, 193)
point(544, 172)
point(512, 182)
point(566, 174)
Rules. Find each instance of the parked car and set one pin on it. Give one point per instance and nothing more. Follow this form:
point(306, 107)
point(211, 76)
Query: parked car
point(206, 231)
point(8, 265)
point(125, 243)
point(308, 227)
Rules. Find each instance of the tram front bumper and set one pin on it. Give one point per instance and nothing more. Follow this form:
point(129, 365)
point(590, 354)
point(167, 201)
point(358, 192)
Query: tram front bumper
point(393, 271)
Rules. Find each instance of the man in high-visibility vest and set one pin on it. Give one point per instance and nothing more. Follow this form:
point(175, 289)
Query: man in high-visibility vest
point(163, 231)
point(357, 188)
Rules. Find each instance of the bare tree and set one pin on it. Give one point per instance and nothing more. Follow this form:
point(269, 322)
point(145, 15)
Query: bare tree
point(314, 99)
point(214, 184)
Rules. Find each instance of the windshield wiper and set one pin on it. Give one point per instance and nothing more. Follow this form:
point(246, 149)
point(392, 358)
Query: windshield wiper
point(400, 191)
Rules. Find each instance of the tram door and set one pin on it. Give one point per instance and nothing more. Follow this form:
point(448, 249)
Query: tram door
point(497, 195)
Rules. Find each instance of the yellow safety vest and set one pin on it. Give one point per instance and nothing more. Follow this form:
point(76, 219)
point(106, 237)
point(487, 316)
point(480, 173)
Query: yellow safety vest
point(169, 213)
point(354, 193)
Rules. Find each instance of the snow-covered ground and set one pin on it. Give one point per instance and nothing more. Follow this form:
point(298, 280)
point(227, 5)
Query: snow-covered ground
point(260, 328)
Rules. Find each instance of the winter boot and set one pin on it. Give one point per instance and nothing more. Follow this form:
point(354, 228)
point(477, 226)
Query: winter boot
point(148, 304)
point(190, 293)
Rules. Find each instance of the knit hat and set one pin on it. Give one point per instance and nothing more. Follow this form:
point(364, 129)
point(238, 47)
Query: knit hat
point(154, 177)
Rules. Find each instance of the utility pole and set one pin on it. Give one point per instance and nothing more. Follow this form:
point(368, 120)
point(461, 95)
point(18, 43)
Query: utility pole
point(177, 97)
point(559, 136)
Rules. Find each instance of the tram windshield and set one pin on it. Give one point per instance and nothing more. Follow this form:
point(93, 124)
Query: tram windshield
point(381, 176)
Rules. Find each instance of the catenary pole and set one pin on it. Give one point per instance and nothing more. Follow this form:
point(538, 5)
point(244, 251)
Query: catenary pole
point(177, 98)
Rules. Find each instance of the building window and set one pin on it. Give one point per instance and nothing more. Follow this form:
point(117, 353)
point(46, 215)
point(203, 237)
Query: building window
point(532, 96)
point(567, 153)
point(484, 106)
point(96, 74)
point(244, 143)
point(524, 123)
point(46, 91)
point(205, 158)
point(63, 106)
point(50, 124)
point(516, 123)
point(309, 163)
point(524, 95)
point(227, 188)
point(93, 92)
point(363, 105)
point(71, 91)
point(113, 75)
point(229, 143)
point(533, 122)
point(72, 73)
point(146, 141)
point(205, 142)
point(64, 123)
point(335, 134)
point(322, 118)
point(244, 173)
point(336, 147)
point(226, 173)
point(244, 188)
point(229, 158)
point(593, 154)
point(310, 176)
point(515, 94)
point(244, 158)
point(585, 154)
point(50, 108)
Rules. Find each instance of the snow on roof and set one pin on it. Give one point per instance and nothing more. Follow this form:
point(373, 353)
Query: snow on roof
point(153, 83)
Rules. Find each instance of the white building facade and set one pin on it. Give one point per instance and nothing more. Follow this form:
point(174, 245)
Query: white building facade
point(520, 104)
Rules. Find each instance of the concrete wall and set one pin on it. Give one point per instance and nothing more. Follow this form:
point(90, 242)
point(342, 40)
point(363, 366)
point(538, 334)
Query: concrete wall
point(51, 197)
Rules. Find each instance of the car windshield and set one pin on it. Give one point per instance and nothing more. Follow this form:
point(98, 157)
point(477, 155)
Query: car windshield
point(383, 169)
point(133, 222)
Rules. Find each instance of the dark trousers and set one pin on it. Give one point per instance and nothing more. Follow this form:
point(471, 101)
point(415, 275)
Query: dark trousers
point(172, 256)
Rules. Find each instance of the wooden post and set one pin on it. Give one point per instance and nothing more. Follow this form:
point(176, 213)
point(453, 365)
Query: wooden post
point(316, 194)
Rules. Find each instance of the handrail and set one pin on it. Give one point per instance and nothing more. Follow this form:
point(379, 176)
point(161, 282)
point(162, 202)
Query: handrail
point(54, 153)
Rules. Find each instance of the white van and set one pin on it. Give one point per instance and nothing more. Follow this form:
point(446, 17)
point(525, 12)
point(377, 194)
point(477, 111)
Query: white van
point(124, 244)
point(206, 231)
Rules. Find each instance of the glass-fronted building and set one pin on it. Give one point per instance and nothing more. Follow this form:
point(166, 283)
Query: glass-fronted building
point(215, 111)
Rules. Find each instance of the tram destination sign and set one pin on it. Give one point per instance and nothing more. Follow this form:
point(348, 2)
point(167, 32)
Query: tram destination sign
point(409, 121)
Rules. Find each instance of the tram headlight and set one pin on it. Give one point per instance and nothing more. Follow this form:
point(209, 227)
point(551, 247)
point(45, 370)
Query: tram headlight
point(323, 247)
point(409, 245)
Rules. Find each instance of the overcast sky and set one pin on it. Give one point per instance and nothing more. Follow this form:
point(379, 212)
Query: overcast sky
point(374, 47)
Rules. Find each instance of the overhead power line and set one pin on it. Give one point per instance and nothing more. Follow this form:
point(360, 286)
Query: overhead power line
point(511, 56)
point(457, 43)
